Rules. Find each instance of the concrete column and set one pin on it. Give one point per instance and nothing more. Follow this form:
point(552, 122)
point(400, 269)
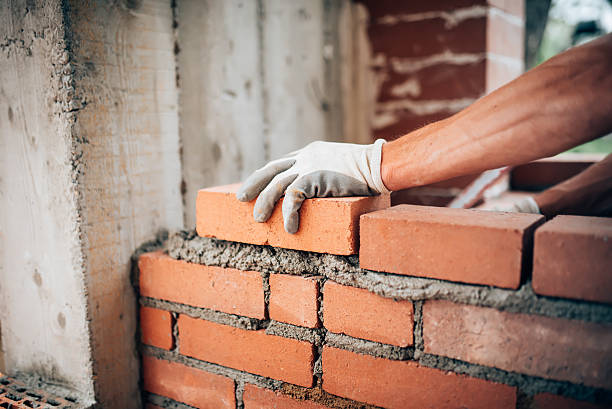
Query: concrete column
point(91, 169)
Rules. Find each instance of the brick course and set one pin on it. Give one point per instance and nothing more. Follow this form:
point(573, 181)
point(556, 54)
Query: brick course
point(405, 384)
point(187, 385)
point(573, 258)
point(550, 401)
point(568, 350)
point(279, 358)
point(327, 225)
point(469, 246)
point(294, 300)
point(221, 289)
point(362, 314)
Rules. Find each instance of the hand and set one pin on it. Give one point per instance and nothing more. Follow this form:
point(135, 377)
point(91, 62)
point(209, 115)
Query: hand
point(320, 169)
point(524, 205)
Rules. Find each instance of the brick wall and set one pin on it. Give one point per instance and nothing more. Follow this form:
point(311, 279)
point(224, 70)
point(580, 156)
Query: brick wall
point(434, 58)
point(432, 307)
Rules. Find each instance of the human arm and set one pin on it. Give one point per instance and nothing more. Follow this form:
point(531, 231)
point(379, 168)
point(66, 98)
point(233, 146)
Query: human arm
point(562, 103)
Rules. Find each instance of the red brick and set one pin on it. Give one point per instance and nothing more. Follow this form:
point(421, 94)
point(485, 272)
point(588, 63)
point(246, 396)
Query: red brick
point(276, 357)
point(544, 173)
point(550, 401)
point(156, 327)
point(152, 406)
point(426, 37)
point(406, 122)
point(567, 350)
point(327, 225)
point(505, 36)
point(187, 385)
point(380, 8)
point(469, 246)
point(294, 299)
point(573, 258)
point(440, 81)
point(260, 398)
point(362, 314)
point(221, 289)
point(405, 384)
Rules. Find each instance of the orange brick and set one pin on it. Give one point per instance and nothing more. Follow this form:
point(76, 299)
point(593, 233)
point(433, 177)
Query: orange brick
point(405, 384)
point(276, 357)
point(294, 299)
point(260, 398)
point(469, 246)
point(187, 385)
point(156, 327)
point(222, 289)
point(550, 401)
point(567, 350)
point(573, 258)
point(327, 225)
point(362, 314)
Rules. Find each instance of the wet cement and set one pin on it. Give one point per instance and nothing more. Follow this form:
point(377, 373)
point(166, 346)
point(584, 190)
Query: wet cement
point(186, 245)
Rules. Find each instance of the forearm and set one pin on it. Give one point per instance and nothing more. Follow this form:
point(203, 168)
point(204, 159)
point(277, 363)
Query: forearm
point(562, 103)
point(588, 193)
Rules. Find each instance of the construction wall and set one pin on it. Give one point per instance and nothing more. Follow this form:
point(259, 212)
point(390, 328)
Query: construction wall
point(440, 308)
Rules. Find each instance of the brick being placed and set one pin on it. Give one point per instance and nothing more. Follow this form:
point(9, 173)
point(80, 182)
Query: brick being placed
point(327, 225)
point(469, 246)
point(573, 258)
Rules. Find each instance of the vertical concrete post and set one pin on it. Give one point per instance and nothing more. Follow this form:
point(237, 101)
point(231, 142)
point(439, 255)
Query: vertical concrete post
point(91, 169)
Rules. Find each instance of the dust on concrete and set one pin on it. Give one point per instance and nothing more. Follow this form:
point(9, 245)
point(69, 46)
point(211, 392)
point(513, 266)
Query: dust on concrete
point(186, 245)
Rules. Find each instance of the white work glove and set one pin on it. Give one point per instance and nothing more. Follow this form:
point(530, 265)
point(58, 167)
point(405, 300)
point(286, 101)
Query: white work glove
point(525, 205)
point(318, 170)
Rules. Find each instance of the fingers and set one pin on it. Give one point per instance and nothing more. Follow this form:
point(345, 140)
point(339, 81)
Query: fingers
point(295, 195)
point(261, 178)
point(269, 196)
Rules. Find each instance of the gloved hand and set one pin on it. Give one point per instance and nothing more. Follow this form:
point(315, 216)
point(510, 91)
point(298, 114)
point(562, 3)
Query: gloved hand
point(318, 170)
point(524, 205)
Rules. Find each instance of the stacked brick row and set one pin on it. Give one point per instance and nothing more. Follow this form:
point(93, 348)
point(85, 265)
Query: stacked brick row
point(447, 308)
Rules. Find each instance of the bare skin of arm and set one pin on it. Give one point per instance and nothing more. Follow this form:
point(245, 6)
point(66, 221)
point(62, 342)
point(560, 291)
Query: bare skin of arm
point(562, 103)
point(587, 193)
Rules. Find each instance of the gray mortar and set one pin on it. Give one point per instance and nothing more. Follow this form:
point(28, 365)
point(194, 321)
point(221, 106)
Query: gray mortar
point(239, 391)
point(362, 346)
point(234, 374)
point(164, 402)
point(282, 329)
point(205, 313)
point(186, 245)
point(419, 344)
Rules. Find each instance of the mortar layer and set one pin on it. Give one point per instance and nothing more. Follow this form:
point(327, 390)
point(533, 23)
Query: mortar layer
point(186, 245)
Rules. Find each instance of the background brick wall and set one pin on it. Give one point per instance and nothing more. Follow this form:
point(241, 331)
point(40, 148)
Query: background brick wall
point(434, 58)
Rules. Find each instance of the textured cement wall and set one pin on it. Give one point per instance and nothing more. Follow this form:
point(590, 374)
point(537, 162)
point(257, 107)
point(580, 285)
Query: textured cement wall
point(90, 169)
point(42, 270)
point(259, 79)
